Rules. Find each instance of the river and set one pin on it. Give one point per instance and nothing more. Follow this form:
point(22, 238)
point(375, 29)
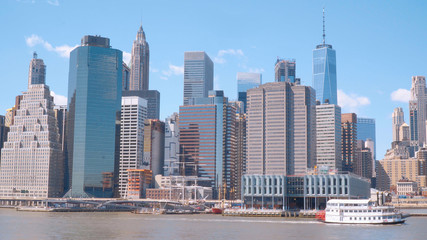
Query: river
point(50, 225)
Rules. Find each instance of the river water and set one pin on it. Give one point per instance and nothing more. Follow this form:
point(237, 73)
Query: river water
point(45, 225)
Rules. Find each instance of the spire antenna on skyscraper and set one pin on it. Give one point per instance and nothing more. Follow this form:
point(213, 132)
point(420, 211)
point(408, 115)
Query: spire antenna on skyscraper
point(324, 35)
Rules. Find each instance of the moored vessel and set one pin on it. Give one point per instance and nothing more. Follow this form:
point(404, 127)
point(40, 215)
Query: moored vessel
point(359, 211)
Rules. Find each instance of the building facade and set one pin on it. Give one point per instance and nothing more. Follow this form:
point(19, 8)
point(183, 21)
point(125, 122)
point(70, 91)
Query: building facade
point(392, 169)
point(154, 146)
point(198, 75)
point(3, 132)
point(246, 81)
point(281, 129)
point(398, 120)
point(417, 110)
point(140, 63)
point(37, 71)
point(208, 141)
point(94, 98)
point(348, 140)
point(133, 115)
point(366, 130)
point(328, 136)
point(171, 167)
point(153, 101)
point(31, 160)
point(285, 70)
point(125, 77)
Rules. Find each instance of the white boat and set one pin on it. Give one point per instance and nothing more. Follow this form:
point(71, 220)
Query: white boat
point(361, 211)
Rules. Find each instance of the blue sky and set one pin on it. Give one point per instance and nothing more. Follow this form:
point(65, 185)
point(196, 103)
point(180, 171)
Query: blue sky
point(379, 45)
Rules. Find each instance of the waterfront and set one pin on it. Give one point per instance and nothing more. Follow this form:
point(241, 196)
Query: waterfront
point(48, 225)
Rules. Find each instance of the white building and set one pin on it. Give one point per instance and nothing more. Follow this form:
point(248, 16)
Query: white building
point(32, 159)
point(134, 112)
point(405, 187)
point(328, 136)
point(171, 145)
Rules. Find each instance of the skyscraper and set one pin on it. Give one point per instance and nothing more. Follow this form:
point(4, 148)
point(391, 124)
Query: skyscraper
point(324, 71)
point(94, 97)
point(281, 129)
point(285, 70)
point(417, 110)
point(3, 132)
point(207, 140)
point(133, 115)
point(153, 101)
point(37, 71)
point(246, 81)
point(398, 120)
point(328, 136)
point(198, 75)
point(31, 159)
point(366, 130)
point(154, 146)
point(348, 140)
point(172, 145)
point(125, 77)
point(140, 63)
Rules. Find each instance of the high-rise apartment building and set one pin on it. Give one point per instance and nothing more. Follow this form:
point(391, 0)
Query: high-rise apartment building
point(133, 115)
point(153, 101)
point(285, 70)
point(417, 110)
point(366, 130)
point(281, 129)
point(37, 71)
point(348, 140)
point(171, 167)
point(93, 126)
point(208, 142)
point(31, 160)
point(198, 75)
point(325, 71)
point(154, 146)
point(398, 120)
point(140, 63)
point(246, 81)
point(328, 136)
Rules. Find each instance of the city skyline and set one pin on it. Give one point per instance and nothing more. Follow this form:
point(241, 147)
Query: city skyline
point(231, 54)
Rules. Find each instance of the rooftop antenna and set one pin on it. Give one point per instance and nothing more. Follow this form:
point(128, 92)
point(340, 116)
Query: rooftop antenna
point(324, 35)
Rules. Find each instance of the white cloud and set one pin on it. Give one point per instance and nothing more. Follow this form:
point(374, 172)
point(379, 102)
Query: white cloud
point(58, 99)
point(220, 57)
point(53, 2)
point(63, 50)
point(127, 57)
point(154, 70)
point(172, 70)
point(401, 95)
point(351, 102)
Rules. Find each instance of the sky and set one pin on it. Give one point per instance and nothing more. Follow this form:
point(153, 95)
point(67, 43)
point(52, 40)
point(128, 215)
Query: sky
point(379, 45)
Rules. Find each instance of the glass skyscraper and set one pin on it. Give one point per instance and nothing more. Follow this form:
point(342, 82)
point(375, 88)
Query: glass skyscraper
point(246, 81)
point(325, 73)
point(198, 75)
point(366, 129)
point(94, 97)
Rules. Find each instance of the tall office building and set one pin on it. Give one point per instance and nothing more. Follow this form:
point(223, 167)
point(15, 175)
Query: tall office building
point(366, 130)
point(125, 77)
point(60, 112)
point(325, 71)
point(348, 140)
point(281, 129)
point(153, 101)
point(246, 81)
point(328, 136)
point(171, 167)
point(140, 63)
point(362, 164)
point(398, 120)
point(93, 126)
point(154, 146)
point(31, 159)
point(198, 75)
point(285, 70)
point(240, 166)
point(207, 141)
point(133, 115)
point(417, 110)
point(37, 71)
